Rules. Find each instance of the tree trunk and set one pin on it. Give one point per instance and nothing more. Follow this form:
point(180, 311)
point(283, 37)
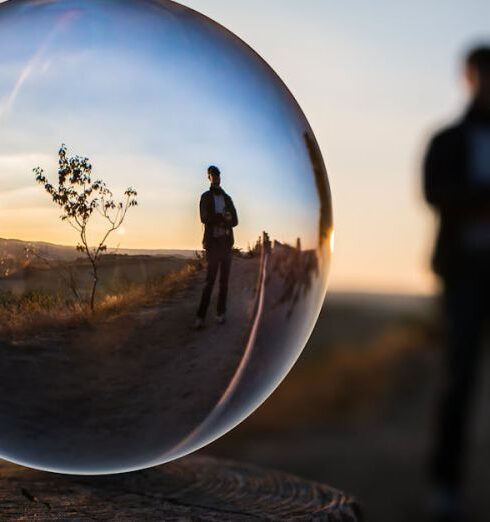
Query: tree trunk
point(94, 287)
point(191, 489)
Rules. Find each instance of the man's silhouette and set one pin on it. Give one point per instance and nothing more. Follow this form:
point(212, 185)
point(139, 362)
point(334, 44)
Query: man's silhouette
point(219, 217)
point(457, 186)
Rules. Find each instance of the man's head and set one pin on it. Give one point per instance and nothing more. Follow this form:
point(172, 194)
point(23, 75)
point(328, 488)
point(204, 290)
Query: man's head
point(477, 65)
point(214, 176)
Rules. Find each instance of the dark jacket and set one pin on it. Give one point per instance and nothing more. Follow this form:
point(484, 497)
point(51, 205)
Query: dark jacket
point(448, 189)
point(210, 219)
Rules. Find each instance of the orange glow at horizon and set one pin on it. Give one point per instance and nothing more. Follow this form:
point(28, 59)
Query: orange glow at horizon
point(44, 225)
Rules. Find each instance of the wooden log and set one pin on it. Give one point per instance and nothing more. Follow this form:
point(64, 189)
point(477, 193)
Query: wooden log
point(194, 488)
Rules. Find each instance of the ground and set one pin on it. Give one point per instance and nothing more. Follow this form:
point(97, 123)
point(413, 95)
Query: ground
point(357, 411)
point(122, 389)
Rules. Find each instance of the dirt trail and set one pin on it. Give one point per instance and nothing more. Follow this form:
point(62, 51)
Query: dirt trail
point(124, 390)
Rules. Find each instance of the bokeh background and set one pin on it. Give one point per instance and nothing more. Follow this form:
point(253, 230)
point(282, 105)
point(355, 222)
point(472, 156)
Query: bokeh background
point(375, 79)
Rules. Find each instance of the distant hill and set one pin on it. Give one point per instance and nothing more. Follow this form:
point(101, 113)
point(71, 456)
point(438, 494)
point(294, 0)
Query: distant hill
point(15, 248)
point(149, 252)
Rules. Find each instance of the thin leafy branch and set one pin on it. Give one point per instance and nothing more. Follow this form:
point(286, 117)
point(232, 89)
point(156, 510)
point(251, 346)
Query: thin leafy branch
point(79, 197)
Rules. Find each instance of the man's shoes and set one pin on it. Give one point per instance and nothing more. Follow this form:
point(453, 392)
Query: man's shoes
point(221, 319)
point(199, 324)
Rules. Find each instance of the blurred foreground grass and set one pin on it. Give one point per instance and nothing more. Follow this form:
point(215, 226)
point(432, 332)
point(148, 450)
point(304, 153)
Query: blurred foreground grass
point(356, 360)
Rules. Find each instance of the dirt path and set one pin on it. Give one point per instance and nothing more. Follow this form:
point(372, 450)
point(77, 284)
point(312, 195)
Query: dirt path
point(124, 391)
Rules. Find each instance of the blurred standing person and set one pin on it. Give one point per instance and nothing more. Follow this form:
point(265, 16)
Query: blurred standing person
point(457, 186)
point(219, 216)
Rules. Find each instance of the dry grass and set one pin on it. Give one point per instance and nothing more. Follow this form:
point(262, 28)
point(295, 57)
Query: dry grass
point(38, 312)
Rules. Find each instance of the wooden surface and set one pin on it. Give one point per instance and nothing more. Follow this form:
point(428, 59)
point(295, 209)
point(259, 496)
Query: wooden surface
point(194, 488)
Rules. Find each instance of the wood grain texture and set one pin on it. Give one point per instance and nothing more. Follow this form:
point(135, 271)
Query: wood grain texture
point(195, 488)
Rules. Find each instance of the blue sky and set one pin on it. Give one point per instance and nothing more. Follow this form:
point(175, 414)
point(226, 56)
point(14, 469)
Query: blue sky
point(152, 100)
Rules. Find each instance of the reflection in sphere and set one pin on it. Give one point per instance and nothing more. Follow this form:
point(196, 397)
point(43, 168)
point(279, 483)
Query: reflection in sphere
point(111, 113)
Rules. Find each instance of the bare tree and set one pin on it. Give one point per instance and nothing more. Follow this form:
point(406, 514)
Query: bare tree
point(79, 197)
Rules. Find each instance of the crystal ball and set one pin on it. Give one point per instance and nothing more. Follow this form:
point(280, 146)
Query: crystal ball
point(166, 233)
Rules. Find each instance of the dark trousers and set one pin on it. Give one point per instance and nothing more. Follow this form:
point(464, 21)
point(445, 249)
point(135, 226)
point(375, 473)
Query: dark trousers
point(219, 259)
point(466, 305)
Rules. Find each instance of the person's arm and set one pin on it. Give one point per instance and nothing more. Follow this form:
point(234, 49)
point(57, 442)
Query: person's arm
point(203, 210)
point(441, 189)
point(233, 212)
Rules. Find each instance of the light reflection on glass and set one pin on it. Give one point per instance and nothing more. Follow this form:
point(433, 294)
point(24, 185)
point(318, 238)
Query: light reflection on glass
point(104, 366)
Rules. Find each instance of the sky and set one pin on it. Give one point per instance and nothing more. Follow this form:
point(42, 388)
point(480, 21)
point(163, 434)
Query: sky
point(152, 97)
point(374, 79)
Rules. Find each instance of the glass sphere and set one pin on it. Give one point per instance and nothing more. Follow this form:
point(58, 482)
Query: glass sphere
point(148, 303)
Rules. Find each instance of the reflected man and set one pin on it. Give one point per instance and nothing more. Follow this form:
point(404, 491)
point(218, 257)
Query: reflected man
point(219, 216)
point(457, 186)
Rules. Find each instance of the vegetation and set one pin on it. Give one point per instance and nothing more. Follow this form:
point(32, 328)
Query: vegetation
point(79, 198)
point(66, 271)
point(44, 310)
